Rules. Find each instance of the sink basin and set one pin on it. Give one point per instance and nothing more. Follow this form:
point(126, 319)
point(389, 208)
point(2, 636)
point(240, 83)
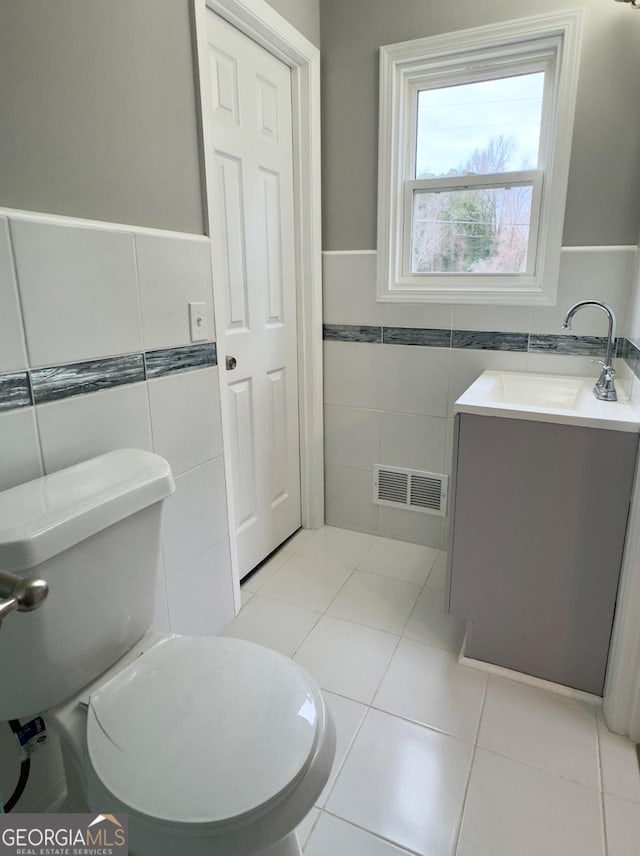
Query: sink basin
point(529, 390)
point(567, 399)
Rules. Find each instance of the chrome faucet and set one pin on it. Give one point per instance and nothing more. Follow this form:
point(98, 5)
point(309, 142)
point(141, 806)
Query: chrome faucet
point(605, 388)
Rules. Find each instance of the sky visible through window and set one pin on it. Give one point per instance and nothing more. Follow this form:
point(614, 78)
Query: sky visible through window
point(456, 123)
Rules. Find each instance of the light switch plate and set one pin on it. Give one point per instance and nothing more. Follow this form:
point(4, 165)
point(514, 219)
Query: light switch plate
point(198, 322)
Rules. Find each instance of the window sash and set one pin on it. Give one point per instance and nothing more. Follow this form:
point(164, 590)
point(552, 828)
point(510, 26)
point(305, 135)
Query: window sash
point(505, 180)
point(549, 42)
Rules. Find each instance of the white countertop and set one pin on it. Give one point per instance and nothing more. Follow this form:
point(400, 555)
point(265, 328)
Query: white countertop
point(563, 399)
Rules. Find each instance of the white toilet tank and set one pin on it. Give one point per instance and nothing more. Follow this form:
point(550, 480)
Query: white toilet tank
point(92, 531)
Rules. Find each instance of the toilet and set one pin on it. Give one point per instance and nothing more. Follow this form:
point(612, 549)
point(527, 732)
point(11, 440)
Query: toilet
point(212, 746)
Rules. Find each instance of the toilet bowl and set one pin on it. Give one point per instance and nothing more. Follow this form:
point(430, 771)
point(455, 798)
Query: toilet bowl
point(209, 745)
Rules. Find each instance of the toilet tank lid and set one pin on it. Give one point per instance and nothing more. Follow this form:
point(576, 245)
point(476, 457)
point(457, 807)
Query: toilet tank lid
point(45, 516)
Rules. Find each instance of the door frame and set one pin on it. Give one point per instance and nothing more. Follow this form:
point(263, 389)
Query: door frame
point(265, 26)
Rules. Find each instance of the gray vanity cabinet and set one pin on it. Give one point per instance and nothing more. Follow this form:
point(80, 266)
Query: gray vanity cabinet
point(538, 525)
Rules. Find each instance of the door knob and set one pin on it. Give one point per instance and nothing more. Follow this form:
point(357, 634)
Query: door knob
point(231, 363)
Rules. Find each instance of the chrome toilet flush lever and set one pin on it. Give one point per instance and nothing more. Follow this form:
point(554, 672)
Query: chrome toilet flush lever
point(605, 388)
point(20, 594)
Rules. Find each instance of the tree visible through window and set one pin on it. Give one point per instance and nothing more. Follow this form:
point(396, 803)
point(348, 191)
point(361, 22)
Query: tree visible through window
point(495, 125)
point(480, 230)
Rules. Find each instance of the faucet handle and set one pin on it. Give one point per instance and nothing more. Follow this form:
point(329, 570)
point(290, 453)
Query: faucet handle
point(610, 369)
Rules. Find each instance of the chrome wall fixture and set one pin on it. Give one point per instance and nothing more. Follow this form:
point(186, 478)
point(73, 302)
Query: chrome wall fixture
point(635, 4)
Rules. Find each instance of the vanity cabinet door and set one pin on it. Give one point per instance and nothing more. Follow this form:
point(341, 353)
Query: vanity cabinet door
point(540, 514)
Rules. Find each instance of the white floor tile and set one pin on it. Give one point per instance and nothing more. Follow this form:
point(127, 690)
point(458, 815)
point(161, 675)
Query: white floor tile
point(335, 837)
point(619, 761)
point(404, 783)
point(278, 625)
point(622, 822)
point(347, 717)
point(337, 545)
point(430, 623)
point(255, 581)
point(428, 685)
point(399, 560)
point(302, 536)
point(312, 583)
point(347, 658)
point(376, 601)
point(541, 728)
point(245, 596)
point(304, 828)
point(438, 576)
point(513, 809)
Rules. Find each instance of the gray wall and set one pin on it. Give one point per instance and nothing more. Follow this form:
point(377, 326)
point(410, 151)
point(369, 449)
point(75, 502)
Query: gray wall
point(603, 205)
point(98, 111)
point(303, 14)
point(98, 108)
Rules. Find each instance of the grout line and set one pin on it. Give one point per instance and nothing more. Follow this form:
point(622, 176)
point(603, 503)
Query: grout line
point(456, 842)
point(389, 841)
point(340, 766)
point(303, 844)
point(603, 817)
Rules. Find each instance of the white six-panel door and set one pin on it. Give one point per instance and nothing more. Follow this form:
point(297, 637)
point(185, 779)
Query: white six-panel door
point(252, 237)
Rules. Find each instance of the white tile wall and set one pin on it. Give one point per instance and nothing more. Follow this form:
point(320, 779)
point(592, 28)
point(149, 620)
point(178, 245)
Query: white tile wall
point(417, 442)
point(349, 499)
point(79, 292)
point(393, 404)
point(413, 380)
point(78, 428)
point(352, 436)
point(200, 595)
point(13, 355)
point(509, 319)
point(20, 460)
point(185, 412)
point(633, 323)
point(195, 517)
point(173, 271)
point(598, 273)
point(414, 526)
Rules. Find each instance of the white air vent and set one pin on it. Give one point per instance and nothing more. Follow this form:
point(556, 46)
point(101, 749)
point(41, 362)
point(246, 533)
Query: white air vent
point(413, 489)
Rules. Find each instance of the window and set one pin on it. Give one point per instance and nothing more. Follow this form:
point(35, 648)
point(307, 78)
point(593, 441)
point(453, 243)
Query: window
point(475, 135)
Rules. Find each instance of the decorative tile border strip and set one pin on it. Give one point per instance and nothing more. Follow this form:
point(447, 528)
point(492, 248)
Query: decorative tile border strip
point(14, 391)
point(479, 340)
point(536, 343)
point(37, 386)
point(425, 336)
point(52, 384)
point(633, 358)
point(584, 346)
point(351, 333)
point(473, 339)
point(170, 360)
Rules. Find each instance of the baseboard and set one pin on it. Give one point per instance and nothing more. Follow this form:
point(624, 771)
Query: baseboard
point(528, 680)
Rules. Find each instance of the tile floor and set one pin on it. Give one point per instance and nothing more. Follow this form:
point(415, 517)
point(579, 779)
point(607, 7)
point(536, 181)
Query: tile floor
point(433, 758)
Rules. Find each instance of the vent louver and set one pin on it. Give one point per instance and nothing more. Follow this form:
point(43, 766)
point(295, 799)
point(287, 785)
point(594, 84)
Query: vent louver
point(414, 489)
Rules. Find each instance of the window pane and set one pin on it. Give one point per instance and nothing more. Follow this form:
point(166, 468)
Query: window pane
point(484, 128)
point(479, 230)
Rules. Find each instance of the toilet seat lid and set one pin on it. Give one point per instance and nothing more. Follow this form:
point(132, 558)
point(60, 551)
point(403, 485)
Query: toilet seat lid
point(202, 730)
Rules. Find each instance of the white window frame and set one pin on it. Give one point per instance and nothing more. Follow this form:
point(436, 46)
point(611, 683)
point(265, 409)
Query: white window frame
point(549, 43)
